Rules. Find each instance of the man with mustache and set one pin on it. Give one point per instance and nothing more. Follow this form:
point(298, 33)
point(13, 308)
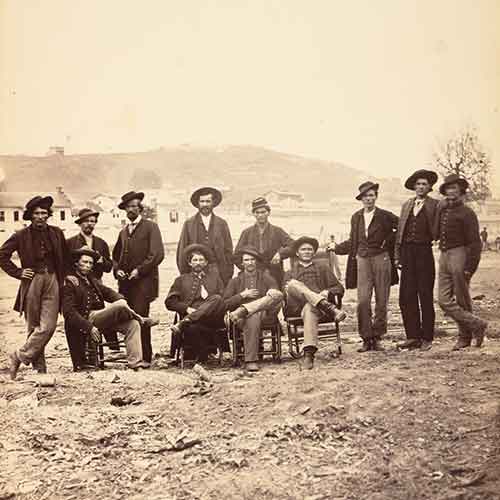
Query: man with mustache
point(206, 228)
point(44, 255)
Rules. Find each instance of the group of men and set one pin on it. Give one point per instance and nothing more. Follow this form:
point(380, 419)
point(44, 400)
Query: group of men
point(66, 275)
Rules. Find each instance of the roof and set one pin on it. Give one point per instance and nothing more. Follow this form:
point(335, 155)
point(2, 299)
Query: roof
point(286, 194)
point(18, 199)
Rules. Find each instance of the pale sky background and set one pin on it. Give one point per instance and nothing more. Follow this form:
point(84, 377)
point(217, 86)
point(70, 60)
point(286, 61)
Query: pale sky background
point(369, 83)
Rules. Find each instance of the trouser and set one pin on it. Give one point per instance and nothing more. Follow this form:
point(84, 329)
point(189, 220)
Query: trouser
point(309, 313)
point(374, 274)
point(257, 311)
point(139, 302)
point(118, 317)
point(41, 310)
point(199, 333)
point(416, 300)
point(454, 294)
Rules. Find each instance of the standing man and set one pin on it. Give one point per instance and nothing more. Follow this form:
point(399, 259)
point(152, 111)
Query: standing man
point(484, 239)
point(460, 245)
point(250, 297)
point(369, 264)
point(196, 296)
point(309, 288)
point(206, 228)
point(413, 253)
point(44, 256)
point(273, 243)
point(87, 220)
point(136, 256)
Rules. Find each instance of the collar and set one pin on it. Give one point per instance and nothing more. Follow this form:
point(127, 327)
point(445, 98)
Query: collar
point(42, 229)
point(371, 212)
point(82, 277)
point(85, 237)
point(250, 275)
point(304, 265)
point(199, 275)
point(206, 217)
point(266, 225)
point(135, 222)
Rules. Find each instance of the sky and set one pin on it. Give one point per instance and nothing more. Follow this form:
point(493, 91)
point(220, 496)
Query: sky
point(373, 84)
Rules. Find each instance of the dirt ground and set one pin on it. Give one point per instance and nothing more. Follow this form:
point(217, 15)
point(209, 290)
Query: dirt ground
point(391, 425)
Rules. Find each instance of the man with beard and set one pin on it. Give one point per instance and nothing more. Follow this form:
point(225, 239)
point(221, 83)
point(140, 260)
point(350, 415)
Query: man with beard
point(370, 269)
point(136, 256)
point(273, 243)
point(197, 297)
point(413, 253)
point(250, 297)
point(43, 253)
point(309, 285)
point(206, 228)
point(460, 245)
point(86, 315)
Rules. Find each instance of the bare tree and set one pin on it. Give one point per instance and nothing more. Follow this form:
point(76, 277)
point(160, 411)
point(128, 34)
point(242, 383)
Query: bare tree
point(463, 154)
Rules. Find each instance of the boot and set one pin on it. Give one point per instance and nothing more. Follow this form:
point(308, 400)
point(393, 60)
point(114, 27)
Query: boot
point(479, 333)
point(238, 316)
point(14, 364)
point(377, 344)
point(461, 344)
point(426, 345)
point(409, 344)
point(367, 346)
point(309, 358)
point(251, 366)
point(330, 311)
point(177, 328)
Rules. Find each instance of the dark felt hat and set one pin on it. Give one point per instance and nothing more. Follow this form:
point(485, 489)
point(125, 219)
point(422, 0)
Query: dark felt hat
point(84, 213)
point(260, 202)
point(131, 195)
point(85, 250)
point(44, 202)
point(366, 186)
point(305, 239)
point(453, 179)
point(216, 195)
point(249, 250)
point(431, 176)
point(198, 248)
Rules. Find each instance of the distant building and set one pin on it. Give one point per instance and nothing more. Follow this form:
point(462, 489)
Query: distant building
point(12, 206)
point(55, 150)
point(284, 199)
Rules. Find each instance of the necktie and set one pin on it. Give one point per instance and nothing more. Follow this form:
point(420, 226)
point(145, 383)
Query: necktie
point(131, 227)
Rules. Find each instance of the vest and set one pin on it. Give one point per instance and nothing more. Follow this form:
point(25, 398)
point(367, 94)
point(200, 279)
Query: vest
point(417, 229)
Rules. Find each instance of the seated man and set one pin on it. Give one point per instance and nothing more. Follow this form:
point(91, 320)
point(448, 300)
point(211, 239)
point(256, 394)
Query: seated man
point(308, 286)
point(196, 297)
point(249, 296)
point(86, 315)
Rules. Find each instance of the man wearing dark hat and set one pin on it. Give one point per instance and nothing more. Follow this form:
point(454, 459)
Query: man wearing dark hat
point(196, 296)
point(86, 315)
point(272, 242)
point(249, 297)
point(369, 264)
point(413, 253)
point(43, 253)
point(136, 256)
point(207, 229)
point(457, 228)
point(308, 286)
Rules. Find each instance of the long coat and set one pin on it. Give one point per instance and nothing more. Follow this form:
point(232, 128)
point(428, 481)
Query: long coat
point(22, 243)
point(219, 241)
point(430, 208)
point(100, 246)
point(142, 250)
point(389, 222)
point(184, 290)
point(274, 240)
point(232, 298)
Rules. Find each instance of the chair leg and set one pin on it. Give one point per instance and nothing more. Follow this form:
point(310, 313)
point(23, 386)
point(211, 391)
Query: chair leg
point(181, 357)
point(339, 339)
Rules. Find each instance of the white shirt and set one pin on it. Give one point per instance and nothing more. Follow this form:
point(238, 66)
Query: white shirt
point(206, 220)
point(88, 239)
point(368, 216)
point(418, 206)
point(133, 224)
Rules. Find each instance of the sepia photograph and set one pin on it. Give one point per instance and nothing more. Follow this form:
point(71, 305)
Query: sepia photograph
point(249, 250)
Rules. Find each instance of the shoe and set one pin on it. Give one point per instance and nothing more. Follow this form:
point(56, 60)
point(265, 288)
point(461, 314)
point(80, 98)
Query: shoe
point(330, 311)
point(377, 345)
point(238, 314)
point(251, 366)
point(409, 344)
point(177, 328)
point(308, 360)
point(479, 334)
point(14, 364)
point(426, 345)
point(367, 346)
point(461, 344)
